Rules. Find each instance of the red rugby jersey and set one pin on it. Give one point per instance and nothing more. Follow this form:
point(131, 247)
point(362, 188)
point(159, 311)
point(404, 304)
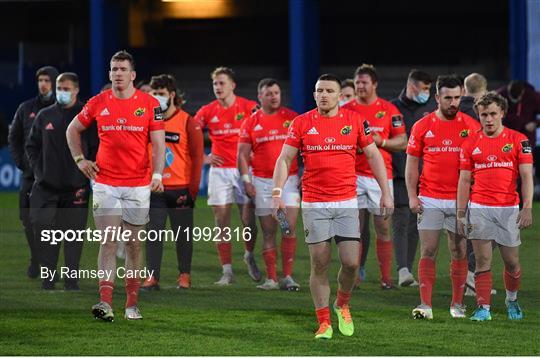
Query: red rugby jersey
point(494, 163)
point(123, 128)
point(266, 134)
point(384, 119)
point(224, 126)
point(439, 142)
point(328, 146)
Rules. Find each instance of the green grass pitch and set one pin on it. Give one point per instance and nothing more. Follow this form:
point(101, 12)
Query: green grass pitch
point(241, 320)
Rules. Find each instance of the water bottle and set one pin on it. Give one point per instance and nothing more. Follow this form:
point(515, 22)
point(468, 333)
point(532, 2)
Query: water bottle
point(283, 224)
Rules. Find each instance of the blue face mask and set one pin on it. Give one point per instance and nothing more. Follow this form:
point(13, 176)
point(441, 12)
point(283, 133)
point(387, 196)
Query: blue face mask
point(63, 97)
point(421, 98)
point(163, 102)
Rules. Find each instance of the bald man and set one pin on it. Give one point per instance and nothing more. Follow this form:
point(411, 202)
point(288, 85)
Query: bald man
point(475, 86)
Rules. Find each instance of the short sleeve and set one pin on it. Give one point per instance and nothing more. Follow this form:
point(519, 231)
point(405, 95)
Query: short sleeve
point(156, 120)
point(465, 156)
point(88, 114)
point(252, 106)
point(525, 150)
point(415, 146)
point(200, 116)
point(397, 126)
point(364, 133)
point(294, 136)
point(245, 131)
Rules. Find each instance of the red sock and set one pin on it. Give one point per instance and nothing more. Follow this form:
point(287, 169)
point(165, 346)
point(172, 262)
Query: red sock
point(483, 283)
point(250, 244)
point(132, 291)
point(225, 252)
point(269, 256)
point(323, 315)
point(106, 291)
point(512, 280)
point(288, 251)
point(384, 255)
point(458, 274)
point(343, 298)
point(426, 276)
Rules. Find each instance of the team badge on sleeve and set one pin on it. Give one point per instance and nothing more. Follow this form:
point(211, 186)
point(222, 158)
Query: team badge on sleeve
point(139, 112)
point(525, 147)
point(367, 131)
point(346, 130)
point(464, 133)
point(507, 147)
point(397, 121)
point(158, 114)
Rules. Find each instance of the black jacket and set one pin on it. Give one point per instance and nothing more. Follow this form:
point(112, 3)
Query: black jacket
point(20, 129)
point(412, 111)
point(48, 151)
point(467, 106)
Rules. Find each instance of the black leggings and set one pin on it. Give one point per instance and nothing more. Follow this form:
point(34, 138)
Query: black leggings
point(181, 216)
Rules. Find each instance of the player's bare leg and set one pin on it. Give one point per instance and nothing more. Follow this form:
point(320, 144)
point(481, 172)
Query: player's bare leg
point(349, 257)
point(222, 217)
point(133, 266)
point(483, 279)
point(107, 263)
point(247, 216)
point(269, 252)
point(457, 245)
point(384, 250)
point(320, 256)
point(288, 251)
point(429, 247)
point(512, 278)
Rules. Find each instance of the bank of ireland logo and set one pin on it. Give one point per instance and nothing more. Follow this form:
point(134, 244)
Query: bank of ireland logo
point(139, 112)
point(507, 147)
point(346, 130)
point(169, 157)
point(380, 114)
point(464, 133)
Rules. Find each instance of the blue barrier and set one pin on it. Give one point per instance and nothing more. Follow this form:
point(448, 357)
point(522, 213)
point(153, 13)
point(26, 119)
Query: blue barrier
point(10, 175)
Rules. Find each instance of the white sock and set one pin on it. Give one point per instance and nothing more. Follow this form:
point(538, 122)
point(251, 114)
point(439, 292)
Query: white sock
point(511, 295)
point(248, 254)
point(403, 271)
point(487, 307)
point(227, 268)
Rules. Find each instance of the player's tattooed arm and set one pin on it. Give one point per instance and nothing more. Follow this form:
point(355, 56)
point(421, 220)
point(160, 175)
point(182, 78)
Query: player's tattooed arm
point(397, 143)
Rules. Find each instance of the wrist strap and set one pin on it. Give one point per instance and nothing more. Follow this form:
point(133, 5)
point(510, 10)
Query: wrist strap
point(78, 158)
point(246, 178)
point(383, 143)
point(157, 176)
point(276, 192)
